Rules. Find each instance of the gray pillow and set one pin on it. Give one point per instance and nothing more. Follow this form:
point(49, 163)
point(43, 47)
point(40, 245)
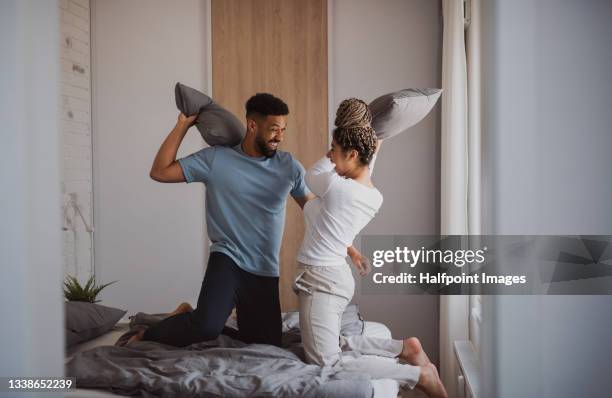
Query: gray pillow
point(395, 112)
point(216, 124)
point(84, 321)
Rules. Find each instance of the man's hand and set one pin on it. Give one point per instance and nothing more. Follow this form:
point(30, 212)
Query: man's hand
point(360, 262)
point(186, 121)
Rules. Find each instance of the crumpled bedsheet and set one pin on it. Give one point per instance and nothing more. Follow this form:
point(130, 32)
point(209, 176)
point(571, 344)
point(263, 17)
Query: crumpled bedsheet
point(223, 367)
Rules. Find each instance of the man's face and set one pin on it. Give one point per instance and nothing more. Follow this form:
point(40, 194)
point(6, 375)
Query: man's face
point(270, 133)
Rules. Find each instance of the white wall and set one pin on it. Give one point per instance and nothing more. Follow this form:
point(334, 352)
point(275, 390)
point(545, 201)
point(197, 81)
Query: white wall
point(379, 47)
point(75, 107)
point(549, 135)
point(30, 238)
point(149, 236)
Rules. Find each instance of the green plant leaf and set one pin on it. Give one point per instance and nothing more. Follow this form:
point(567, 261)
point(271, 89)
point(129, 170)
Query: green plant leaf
point(89, 284)
point(73, 291)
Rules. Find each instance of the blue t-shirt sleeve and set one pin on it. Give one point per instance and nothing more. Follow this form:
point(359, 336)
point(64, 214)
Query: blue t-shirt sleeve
point(197, 167)
point(299, 189)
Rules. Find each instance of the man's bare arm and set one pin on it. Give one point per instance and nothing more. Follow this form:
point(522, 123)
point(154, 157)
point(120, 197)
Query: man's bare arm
point(165, 167)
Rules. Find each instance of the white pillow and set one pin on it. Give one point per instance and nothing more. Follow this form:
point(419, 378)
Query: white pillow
point(395, 112)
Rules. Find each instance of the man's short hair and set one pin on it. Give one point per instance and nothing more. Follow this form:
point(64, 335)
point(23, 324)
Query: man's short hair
point(263, 104)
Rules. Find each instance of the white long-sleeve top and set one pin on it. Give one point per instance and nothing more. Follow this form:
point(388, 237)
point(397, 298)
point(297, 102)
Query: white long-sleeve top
point(341, 209)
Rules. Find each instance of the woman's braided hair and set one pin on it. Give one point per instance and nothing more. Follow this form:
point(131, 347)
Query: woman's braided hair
point(354, 130)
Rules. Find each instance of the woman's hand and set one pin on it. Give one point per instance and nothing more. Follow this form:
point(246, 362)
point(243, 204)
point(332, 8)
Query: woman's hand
point(360, 262)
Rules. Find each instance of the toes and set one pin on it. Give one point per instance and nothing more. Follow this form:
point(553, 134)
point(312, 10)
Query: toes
point(412, 348)
point(414, 344)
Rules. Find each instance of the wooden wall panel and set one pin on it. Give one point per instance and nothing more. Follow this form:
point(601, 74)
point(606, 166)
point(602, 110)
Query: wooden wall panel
point(280, 47)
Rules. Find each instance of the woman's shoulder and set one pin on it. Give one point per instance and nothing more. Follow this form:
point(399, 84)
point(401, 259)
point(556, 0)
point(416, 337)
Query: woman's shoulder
point(373, 196)
point(378, 197)
point(351, 190)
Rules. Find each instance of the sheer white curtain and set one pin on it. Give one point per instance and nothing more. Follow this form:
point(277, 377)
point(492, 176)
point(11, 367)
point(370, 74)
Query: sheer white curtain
point(460, 160)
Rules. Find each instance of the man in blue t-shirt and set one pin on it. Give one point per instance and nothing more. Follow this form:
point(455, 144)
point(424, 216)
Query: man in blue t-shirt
point(246, 192)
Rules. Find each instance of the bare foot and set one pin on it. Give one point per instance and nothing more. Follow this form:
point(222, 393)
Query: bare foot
point(430, 383)
point(135, 338)
point(413, 352)
point(182, 307)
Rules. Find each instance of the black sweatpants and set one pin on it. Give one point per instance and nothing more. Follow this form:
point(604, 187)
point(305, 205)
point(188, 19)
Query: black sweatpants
point(226, 285)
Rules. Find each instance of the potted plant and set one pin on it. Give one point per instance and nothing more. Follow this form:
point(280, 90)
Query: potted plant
point(73, 291)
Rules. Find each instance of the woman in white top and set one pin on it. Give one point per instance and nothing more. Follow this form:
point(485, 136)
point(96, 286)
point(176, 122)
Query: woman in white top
point(345, 202)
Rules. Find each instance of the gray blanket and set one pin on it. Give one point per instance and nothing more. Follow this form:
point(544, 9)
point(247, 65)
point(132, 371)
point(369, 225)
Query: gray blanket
point(223, 367)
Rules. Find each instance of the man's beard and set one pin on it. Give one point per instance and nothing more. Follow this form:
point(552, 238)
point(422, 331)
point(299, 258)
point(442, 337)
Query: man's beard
point(263, 148)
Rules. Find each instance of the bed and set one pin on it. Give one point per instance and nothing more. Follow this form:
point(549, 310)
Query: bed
point(105, 370)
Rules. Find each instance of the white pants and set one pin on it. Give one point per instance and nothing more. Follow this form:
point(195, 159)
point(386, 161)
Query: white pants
point(324, 293)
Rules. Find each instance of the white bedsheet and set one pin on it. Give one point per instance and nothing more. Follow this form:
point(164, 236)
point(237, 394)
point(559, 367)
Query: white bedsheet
point(375, 329)
point(108, 338)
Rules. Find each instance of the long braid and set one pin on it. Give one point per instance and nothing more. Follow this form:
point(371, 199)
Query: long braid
point(353, 129)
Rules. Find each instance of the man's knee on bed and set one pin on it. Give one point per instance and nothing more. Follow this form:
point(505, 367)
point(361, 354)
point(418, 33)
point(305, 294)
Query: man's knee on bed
point(208, 329)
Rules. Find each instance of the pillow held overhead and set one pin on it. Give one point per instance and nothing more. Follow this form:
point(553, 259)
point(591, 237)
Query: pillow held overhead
point(395, 112)
point(216, 124)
